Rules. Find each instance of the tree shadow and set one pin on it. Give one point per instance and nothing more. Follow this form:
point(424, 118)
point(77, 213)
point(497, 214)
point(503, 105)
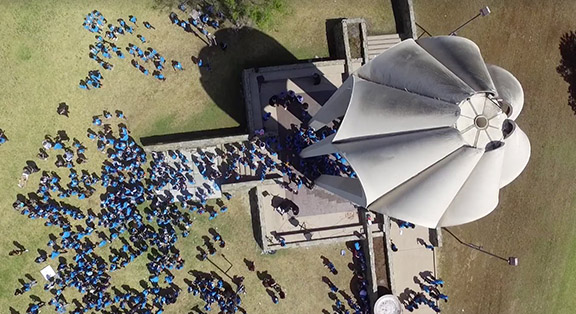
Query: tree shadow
point(567, 67)
point(247, 48)
point(221, 76)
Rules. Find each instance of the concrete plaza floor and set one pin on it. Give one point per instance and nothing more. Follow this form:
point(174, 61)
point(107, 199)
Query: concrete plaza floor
point(313, 223)
point(409, 261)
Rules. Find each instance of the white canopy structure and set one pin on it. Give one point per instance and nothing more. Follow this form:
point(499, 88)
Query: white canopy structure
point(429, 130)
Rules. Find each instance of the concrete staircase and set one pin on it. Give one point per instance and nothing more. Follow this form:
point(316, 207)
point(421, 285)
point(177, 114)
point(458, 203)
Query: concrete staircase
point(245, 172)
point(377, 44)
point(318, 202)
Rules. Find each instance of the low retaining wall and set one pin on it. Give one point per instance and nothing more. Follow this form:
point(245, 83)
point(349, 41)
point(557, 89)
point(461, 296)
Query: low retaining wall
point(208, 142)
point(404, 17)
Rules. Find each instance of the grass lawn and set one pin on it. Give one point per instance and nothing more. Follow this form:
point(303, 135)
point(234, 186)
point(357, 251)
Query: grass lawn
point(535, 218)
point(44, 54)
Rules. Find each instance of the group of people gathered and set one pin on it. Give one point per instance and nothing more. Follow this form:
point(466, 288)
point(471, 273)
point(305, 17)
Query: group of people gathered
point(429, 295)
point(121, 225)
point(362, 304)
point(104, 48)
point(200, 19)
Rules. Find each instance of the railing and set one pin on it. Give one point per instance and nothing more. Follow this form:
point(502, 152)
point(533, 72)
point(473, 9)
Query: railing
point(424, 31)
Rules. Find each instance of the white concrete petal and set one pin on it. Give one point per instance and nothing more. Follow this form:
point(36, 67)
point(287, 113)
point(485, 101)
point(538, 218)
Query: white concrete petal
point(323, 147)
point(516, 156)
point(349, 188)
point(335, 106)
point(509, 89)
point(424, 199)
point(461, 56)
point(384, 163)
point(409, 67)
point(378, 109)
point(478, 197)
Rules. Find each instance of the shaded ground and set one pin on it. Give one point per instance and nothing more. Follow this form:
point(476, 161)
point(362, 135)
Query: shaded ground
point(534, 220)
point(380, 260)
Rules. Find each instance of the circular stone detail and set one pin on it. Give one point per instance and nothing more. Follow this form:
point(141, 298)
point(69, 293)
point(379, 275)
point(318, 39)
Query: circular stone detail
point(388, 304)
point(481, 122)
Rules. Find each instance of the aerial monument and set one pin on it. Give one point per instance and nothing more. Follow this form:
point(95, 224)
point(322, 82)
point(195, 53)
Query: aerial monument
point(428, 128)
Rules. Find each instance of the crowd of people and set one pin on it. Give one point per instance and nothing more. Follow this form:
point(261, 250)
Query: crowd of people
point(93, 80)
point(215, 291)
point(127, 184)
point(104, 48)
point(429, 295)
point(273, 289)
point(94, 22)
point(290, 145)
point(359, 306)
point(200, 19)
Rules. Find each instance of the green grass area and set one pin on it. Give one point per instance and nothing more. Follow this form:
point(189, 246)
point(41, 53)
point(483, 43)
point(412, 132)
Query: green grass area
point(534, 219)
point(44, 54)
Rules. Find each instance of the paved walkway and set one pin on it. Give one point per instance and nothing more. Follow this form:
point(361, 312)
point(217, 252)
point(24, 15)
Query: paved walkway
point(410, 259)
point(320, 219)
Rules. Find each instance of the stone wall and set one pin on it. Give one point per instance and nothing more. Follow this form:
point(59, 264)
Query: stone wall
point(404, 16)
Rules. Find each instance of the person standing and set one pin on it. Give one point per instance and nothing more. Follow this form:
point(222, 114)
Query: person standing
point(3, 138)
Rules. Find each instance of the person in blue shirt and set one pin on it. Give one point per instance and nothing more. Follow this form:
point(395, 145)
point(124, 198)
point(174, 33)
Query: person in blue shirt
point(148, 25)
point(3, 138)
point(132, 19)
point(177, 65)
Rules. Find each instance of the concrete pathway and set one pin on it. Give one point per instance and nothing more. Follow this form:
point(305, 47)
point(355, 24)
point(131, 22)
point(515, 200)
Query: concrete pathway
point(309, 224)
point(410, 259)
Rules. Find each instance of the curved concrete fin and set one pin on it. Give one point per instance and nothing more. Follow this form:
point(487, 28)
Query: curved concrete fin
point(478, 196)
point(424, 199)
point(386, 162)
point(348, 188)
point(509, 89)
point(407, 66)
point(335, 106)
point(323, 147)
point(378, 109)
point(462, 57)
point(516, 156)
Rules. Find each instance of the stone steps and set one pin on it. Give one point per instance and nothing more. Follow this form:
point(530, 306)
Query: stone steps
point(377, 44)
